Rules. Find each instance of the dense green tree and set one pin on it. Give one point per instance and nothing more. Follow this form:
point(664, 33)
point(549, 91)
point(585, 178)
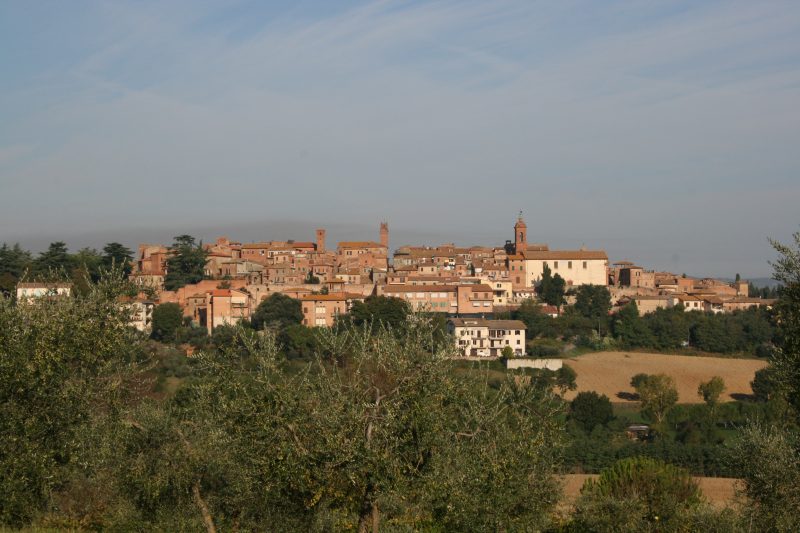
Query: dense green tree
point(669, 328)
point(186, 263)
point(762, 292)
point(563, 379)
point(115, 254)
point(590, 409)
point(55, 258)
point(167, 320)
point(629, 329)
point(593, 302)
point(311, 278)
point(14, 262)
point(298, 342)
point(390, 312)
point(277, 311)
point(551, 288)
point(61, 360)
point(87, 264)
point(765, 384)
point(536, 322)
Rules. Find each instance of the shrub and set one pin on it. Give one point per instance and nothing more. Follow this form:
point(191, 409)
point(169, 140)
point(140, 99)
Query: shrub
point(638, 489)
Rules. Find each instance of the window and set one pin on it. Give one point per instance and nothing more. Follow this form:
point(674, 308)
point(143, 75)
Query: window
point(320, 310)
point(476, 304)
point(584, 264)
point(518, 342)
point(569, 264)
point(320, 322)
point(555, 264)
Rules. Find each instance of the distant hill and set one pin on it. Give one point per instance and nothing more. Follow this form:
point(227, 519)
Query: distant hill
point(758, 282)
point(764, 282)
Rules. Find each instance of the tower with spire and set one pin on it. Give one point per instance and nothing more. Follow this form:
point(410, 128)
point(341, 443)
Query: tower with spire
point(520, 235)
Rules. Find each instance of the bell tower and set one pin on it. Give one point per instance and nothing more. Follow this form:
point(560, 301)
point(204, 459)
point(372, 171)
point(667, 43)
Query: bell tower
point(321, 240)
point(520, 235)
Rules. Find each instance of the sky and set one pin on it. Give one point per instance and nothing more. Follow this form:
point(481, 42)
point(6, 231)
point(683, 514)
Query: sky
point(666, 133)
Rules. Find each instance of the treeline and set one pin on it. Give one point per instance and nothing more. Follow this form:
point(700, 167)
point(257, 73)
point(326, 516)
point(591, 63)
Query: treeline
point(56, 262)
point(588, 323)
point(748, 331)
point(694, 437)
point(185, 264)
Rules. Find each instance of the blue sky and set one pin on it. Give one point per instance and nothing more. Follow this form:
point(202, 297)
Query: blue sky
point(664, 132)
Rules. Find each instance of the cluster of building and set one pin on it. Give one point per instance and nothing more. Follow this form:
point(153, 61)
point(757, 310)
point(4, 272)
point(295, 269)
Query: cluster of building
point(468, 284)
point(659, 290)
point(465, 283)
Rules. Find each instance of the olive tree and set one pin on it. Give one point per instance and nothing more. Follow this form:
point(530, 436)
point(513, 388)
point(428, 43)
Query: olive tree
point(63, 361)
point(376, 429)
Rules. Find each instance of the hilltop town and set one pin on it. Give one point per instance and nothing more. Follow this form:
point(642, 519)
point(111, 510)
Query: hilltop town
point(474, 282)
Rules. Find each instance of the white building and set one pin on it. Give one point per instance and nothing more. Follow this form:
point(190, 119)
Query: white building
point(27, 291)
point(141, 314)
point(576, 267)
point(487, 338)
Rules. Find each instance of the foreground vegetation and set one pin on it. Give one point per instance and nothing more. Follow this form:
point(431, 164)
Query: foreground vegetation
point(368, 426)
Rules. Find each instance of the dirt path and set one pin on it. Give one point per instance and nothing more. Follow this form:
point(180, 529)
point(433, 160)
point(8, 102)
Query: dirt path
point(610, 373)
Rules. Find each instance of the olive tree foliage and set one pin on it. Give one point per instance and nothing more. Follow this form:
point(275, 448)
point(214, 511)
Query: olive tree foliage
point(377, 432)
point(769, 457)
point(63, 361)
point(769, 460)
point(786, 358)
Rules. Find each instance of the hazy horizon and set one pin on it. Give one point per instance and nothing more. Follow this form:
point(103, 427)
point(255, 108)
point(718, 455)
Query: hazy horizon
point(665, 133)
point(299, 230)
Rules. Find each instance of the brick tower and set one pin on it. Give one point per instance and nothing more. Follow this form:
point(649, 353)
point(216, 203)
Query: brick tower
point(385, 234)
point(321, 241)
